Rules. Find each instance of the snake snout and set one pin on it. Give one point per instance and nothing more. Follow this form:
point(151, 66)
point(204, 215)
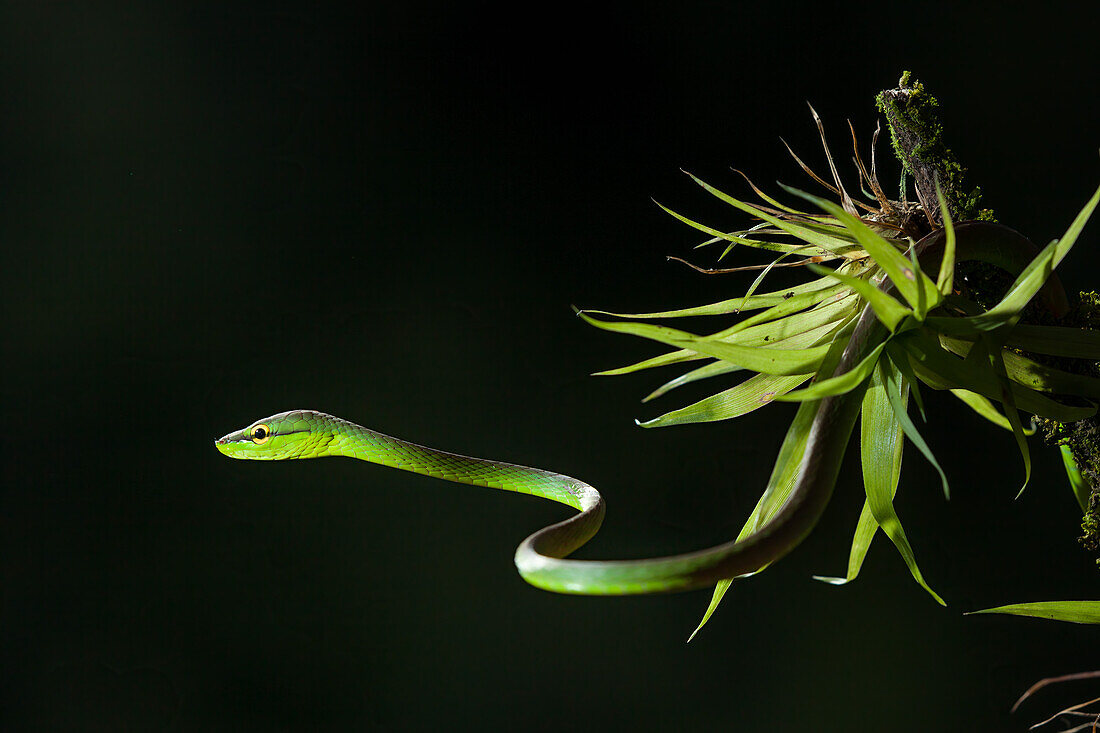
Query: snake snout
point(224, 444)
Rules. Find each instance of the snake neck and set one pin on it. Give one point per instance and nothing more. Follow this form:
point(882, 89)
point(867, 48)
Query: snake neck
point(355, 441)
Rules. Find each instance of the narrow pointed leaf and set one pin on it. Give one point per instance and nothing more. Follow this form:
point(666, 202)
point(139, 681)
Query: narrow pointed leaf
point(1081, 489)
point(1009, 310)
point(672, 357)
point(881, 443)
point(1079, 221)
point(983, 407)
point(866, 527)
point(1078, 612)
point(829, 244)
point(781, 481)
point(891, 377)
point(888, 310)
point(921, 307)
point(785, 338)
point(840, 384)
point(825, 288)
point(1032, 374)
point(900, 358)
point(767, 361)
point(778, 490)
point(993, 354)
point(943, 370)
point(793, 448)
point(768, 198)
point(716, 598)
point(763, 360)
point(752, 394)
point(795, 331)
point(1030, 280)
point(1077, 343)
point(764, 273)
point(913, 285)
point(723, 236)
point(787, 307)
point(945, 283)
point(714, 369)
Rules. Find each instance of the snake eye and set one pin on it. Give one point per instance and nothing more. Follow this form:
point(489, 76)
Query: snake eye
point(260, 434)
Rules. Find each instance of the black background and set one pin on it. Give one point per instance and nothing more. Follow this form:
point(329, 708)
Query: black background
point(212, 212)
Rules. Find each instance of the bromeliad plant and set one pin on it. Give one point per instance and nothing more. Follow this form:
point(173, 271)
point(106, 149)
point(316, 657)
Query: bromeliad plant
point(883, 282)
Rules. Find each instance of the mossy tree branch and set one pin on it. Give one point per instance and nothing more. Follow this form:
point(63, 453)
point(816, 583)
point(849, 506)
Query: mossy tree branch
point(918, 141)
point(917, 136)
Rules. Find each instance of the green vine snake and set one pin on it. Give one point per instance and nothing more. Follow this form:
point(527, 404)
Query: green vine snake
point(542, 558)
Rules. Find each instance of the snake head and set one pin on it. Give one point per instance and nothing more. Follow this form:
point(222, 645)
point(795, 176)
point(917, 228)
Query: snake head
point(293, 434)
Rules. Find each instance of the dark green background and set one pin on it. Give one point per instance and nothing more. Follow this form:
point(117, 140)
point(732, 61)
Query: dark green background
point(212, 212)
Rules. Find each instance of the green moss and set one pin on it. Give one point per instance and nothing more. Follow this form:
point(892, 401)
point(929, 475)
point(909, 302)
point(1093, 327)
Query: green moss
point(1083, 437)
point(1087, 314)
point(918, 140)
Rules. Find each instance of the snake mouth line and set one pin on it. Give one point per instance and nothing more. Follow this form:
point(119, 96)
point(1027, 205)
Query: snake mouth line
point(243, 438)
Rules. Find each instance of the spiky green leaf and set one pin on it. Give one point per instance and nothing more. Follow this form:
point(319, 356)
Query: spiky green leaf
point(783, 337)
point(1032, 374)
point(891, 378)
point(840, 384)
point(888, 310)
point(866, 528)
point(881, 443)
point(1077, 481)
point(985, 408)
point(913, 284)
point(781, 481)
point(828, 243)
point(764, 273)
point(1077, 612)
point(794, 331)
point(752, 394)
point(946, 280)
point(766, 361)
point(1027, 284)
point(825, 288)
point(942, 370)
point(900, 359)
point(713, 369)
point(1077, 343)
point(993, 353)
point(779, 488)
point(724, 236)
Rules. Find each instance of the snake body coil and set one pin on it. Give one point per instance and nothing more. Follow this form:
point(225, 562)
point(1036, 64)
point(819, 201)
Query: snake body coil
point(541, 558)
